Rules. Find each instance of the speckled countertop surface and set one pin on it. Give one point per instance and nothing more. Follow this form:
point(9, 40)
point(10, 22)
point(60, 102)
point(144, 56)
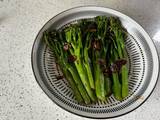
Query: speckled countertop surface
point(21, 98)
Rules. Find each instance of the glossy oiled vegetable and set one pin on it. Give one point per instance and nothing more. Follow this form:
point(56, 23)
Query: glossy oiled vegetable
point(92, 57)
point(120, 35)
point(54, 42)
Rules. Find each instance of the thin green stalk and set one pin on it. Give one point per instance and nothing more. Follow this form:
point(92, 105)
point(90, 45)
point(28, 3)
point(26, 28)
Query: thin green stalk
point(108, 86)
point(79, 85)
point(73, 36)
point(83, 77)
point(74, 87)
point(86, 59)
point(120, 36)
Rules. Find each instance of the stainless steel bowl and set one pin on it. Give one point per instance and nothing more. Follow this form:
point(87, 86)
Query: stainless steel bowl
point(143, 66)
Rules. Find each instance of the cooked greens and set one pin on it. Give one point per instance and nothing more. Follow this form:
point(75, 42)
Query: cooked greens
point(92, 57)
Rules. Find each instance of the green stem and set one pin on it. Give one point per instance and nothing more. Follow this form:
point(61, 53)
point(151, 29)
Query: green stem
point(79, 85)
point(88, 69)
point(99, 81)
point(89, 73)
point(108, 86)
point(116, 86)
point(84, 79)
point(74, 87)
point(124, 74)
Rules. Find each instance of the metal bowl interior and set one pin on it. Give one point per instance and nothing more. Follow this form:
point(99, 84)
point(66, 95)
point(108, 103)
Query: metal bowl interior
point(143, 66)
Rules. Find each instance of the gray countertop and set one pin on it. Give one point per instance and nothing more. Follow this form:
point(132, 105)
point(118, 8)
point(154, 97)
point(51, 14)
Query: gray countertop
point(21, 98)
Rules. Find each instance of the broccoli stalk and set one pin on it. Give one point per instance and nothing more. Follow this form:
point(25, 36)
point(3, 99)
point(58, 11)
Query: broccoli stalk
point(92, 57)
point(120, 35)
point(86, 59)
point(54, 42)
point(74, 37)
point(116, 81)
point(99, 51)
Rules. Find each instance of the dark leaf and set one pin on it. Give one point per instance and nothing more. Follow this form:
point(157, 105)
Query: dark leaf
point(72, 58)
point(113, 68)
point(96, 45)
point(119, 63)
point(66, 46)
point(101, 61)
point(59, 77)
point(107, 71)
